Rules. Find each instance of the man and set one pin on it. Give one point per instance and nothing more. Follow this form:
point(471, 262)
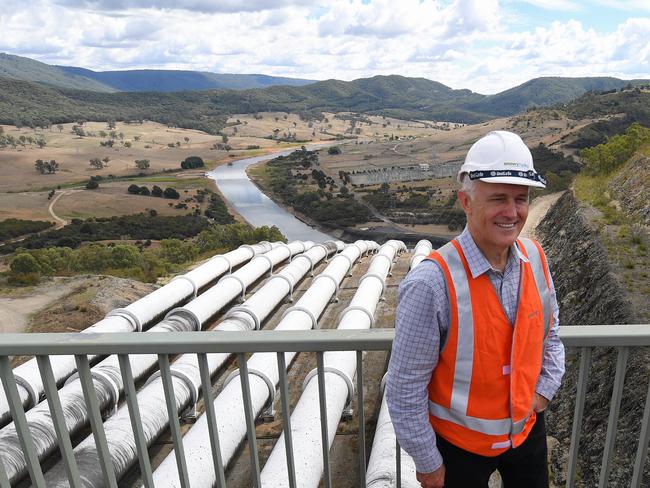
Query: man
point(477, 355)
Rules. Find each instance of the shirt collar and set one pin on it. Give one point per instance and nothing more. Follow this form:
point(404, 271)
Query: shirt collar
point(476, 260)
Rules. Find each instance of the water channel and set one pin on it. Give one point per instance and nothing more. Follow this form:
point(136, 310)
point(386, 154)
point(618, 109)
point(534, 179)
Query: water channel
point(254, 206)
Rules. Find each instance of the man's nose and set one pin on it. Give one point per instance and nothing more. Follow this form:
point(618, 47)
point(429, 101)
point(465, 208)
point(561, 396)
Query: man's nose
point(510, 209)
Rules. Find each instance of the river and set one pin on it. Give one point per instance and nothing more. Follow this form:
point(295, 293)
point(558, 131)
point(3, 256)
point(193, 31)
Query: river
point(254, 206)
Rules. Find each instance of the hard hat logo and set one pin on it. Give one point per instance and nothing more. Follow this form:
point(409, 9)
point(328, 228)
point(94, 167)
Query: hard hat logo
point(493, 157)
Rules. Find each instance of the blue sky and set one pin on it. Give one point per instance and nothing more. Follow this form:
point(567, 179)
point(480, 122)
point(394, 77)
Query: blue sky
point(484, 45)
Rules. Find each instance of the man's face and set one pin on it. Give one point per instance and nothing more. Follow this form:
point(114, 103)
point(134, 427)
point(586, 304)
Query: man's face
point(496, 213)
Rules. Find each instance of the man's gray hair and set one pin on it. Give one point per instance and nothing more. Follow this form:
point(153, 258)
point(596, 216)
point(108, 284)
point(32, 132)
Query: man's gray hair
point(467, 185)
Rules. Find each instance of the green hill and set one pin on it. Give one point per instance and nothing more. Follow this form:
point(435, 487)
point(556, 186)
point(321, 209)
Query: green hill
point(180, 80)
point(541, 92)
point(26, 69)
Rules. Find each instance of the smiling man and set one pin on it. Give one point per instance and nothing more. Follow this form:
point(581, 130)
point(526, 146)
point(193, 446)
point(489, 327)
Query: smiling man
point(477, 355)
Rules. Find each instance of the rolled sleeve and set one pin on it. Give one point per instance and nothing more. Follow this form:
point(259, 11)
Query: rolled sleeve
point(414, 356)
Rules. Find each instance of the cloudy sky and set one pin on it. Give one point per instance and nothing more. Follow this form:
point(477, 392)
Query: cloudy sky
point(484, 45)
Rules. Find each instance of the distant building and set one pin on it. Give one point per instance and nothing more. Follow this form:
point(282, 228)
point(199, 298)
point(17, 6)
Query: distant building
point(423, 171)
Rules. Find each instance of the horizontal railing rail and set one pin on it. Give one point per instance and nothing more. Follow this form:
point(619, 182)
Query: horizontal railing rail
point(623, 337)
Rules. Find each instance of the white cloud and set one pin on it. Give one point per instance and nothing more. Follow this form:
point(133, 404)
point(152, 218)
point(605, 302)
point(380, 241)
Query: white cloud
point(461, 43)
point(561, 5)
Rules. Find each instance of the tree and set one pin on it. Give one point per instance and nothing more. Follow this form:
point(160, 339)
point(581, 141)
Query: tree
point(110, 124)
point(192, 162)
point(127, 144)
point(40, 166)
point(224, 138)
point(187, 140)
point(106, 160)
point(136, 138)
point(24, 263)
point(92, 184)
point(133, 189)
point(41, 143)
point(334, 150)
point(96, 163)
point(78, 130)
point(156, 191)
point(171, 193)
point(142, 164)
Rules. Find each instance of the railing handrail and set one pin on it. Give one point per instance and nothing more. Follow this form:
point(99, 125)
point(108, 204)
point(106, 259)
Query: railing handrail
point(271, 341)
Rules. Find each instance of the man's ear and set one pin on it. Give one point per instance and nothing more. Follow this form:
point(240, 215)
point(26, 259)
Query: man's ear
point(465, 201)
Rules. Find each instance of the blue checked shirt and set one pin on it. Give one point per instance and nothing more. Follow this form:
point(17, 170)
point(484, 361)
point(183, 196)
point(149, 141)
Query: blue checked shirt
point(421, 326)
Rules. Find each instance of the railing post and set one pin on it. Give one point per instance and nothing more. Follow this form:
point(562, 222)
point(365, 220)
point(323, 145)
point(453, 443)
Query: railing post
point(644, 437)
point(617, 393)
point(581, 393)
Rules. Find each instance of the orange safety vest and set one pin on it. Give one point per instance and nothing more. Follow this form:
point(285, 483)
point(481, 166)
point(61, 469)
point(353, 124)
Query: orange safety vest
point(481, 392)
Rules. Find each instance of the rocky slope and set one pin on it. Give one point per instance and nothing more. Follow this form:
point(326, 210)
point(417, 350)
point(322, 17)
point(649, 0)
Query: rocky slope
point(590, 293)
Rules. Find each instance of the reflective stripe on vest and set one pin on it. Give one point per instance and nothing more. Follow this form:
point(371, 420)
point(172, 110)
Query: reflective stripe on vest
point(489, 427)
point(465, 350)
point(537, 265)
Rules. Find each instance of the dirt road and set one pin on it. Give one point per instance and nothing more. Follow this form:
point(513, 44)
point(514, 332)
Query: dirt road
point(15, 312)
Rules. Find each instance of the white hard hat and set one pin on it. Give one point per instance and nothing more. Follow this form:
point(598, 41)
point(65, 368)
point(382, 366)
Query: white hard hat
point(501, 157)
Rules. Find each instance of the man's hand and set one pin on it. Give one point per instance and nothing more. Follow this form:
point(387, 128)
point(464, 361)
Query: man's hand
point(539, 403)
point(434, 479)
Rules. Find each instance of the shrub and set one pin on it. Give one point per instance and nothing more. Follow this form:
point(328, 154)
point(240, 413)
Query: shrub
point(133, 189)
point(92, 185)
point(156, 191)
point(334, 150)
point(171, 193)
point(192, 162)
point(24, 263)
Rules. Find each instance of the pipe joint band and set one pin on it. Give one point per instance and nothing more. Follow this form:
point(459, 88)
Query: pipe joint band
point(267, 259)
point(336, 283)
point(311, 262)
point(237, 279)
point(295, 308)
point(250, 248)
point(361, 309)
point(195, 288)
point(349, 259)
point(187, 315)
point(106, 380)
point(287, 279)
point(128, 315)
point(337, 372)
point(247, 311)
point(282, 244)
point(327, 251)
point(225, 258)
point(32, 394)
point(260, 374)
point(185, 378)
point(374, 275)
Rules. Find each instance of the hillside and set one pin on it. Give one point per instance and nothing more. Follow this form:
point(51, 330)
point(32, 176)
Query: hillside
point(26, 69)
point(543, 92)
point(180, 80)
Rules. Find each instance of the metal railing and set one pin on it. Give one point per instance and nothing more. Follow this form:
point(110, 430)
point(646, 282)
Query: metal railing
point(239, 343)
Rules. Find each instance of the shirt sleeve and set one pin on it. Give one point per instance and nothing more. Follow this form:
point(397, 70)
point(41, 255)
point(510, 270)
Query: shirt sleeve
point(553, 367)
point(414, 356)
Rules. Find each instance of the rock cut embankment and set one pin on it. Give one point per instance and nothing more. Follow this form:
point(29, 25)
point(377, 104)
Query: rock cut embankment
point(589, 293)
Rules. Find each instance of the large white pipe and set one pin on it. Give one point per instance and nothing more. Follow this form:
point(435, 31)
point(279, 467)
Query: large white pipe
point(107, 378)
point(185, 378)
point(135, 317)
point(422, 249)
point(381, 472)
point(263, 378)
point(340, 371)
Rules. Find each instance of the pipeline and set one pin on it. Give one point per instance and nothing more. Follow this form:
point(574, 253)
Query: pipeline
point(422, 249)
point(263, 379)
point(135, 317)
point(340, 370)
point(107, 378)
point(185, 379)
point(381, 472)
